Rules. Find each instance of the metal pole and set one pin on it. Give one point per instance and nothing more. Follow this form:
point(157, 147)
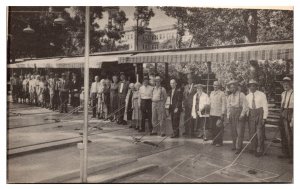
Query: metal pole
point(86, 94)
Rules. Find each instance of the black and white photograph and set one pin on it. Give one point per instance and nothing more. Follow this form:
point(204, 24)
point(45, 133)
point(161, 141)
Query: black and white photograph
point(149, 94)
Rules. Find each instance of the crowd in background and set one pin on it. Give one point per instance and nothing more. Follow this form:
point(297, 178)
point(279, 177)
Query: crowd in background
point(205, 114)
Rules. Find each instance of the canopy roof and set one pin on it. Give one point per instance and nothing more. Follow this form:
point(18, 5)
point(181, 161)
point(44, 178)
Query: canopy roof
point(242, 52)
point(67, 62)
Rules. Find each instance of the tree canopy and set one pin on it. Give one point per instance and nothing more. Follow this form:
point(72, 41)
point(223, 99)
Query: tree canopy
point(216, 26)
point(50, 39)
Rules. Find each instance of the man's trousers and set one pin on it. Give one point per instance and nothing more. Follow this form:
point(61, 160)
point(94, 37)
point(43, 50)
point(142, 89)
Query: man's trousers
point(256, 127)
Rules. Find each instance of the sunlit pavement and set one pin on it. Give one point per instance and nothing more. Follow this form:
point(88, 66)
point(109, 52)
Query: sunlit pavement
point(181, 160)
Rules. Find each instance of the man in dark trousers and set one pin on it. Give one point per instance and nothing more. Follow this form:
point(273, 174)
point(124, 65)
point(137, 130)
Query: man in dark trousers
point(75, 88)
point(64, 88)
point(286, 127)
point(145, 99)
point(122, 92)
point(175, 107)
point(188, 94)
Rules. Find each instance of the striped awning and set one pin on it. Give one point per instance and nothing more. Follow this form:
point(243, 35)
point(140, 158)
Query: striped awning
point(68, 62)
point(245, 52)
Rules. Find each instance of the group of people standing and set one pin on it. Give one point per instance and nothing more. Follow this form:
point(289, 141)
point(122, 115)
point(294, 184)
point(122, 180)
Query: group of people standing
point(205, 115)
point(48, 91)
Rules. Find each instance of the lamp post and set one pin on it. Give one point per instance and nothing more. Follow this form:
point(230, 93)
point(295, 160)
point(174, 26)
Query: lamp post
point(86, 94)
point(28, 30)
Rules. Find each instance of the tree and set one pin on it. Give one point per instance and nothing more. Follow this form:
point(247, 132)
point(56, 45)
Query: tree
point(210, 26)
point(142, 15)
point(180, 13)
point(50, 39)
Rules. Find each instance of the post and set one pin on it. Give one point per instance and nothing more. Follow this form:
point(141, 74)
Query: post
point(155, 68)
point(86, 94)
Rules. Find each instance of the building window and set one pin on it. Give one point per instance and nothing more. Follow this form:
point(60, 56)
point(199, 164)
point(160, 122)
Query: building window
point(131, 36)
point(160, 36)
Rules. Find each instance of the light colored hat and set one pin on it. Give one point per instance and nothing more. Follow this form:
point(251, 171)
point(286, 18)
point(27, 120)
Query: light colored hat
point(288, 79)
point(131, 85)
point(216, 83)
point(157, 78)
point(137, 85)
point(252, 81)
point(232, 82)
point(199, 86)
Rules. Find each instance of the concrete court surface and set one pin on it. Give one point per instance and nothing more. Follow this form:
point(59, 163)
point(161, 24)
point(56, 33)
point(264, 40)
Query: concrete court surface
point(180, 160)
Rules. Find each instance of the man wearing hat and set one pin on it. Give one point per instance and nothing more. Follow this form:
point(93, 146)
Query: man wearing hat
point(122, 92)
point(217, 113)
point(258, 113)
point(188, 94)
point(236, 113)
point(200, 111)
point(145, 99)
point(287, 110)
point(159, 98)
point(64, 88)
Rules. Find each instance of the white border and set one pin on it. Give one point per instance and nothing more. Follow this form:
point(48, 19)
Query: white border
point(206, 3)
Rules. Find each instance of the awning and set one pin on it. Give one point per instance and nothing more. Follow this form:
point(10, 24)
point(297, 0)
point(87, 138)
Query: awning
point(68, 62)
point(244, 52)
point(32, 63)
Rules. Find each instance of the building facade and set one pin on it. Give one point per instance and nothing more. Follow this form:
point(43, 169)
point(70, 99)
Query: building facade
point(152, 39)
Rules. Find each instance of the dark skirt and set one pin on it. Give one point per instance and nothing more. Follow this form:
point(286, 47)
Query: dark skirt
point(75, 99)
point(113, 101)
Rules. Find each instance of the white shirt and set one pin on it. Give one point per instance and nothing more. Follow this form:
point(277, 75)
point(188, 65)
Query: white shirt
point(288, 95)
point(203, 101)
point(121, 87)
point(217, 103)
point(95, 87)
point(172, 94)
point(260, 100)
point(146, 92)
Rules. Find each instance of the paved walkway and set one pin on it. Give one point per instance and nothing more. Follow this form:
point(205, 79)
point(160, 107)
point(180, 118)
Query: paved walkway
point(178, 160)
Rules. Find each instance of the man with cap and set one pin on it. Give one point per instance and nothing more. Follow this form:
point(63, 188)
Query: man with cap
point(258, 113)
point(217, 113)
point(159, 98)
point(145, 96)
point(175, 107)
point(188, 94)
point(64, 88)
point(237, 109)
point(122, 92)
point(93, 95)
point(200, 111)
point(287, 110)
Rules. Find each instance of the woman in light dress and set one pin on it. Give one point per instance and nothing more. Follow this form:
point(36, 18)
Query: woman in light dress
point(136, 114)
point(102, 108)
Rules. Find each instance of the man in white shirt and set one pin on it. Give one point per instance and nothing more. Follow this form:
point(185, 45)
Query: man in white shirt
point(93, 95)
point(145, 96)
point(258, 113)
point(159, 97)
point(236, 114)
point(286, 127)
point(200, 111)
point(217, 114)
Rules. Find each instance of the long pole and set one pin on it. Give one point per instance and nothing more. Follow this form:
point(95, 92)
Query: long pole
point(86, 93)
